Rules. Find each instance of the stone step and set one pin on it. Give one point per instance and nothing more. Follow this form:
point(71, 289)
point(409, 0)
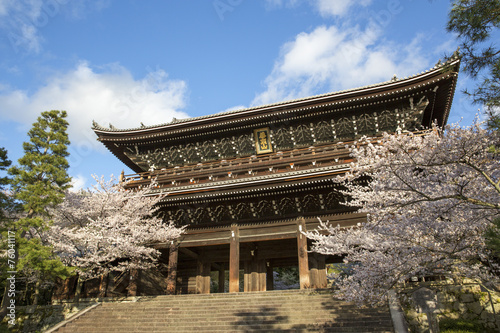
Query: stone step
point(222, 322)
point(283, 305)
point(289, 311)
point(277, 324)
point(162, 308)
point(117, 317)
point(315, 307)
point(232, 318)
point(145, 317)
point(253, 328)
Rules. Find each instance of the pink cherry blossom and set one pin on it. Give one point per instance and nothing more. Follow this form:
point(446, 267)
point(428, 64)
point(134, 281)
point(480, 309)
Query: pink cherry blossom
point(429, 197)
point(108, 228)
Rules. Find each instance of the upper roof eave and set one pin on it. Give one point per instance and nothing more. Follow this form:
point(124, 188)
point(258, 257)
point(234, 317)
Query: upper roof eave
point(248, 112)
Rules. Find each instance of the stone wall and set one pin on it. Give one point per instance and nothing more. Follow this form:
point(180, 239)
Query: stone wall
point(42, 317)
point(426, 303)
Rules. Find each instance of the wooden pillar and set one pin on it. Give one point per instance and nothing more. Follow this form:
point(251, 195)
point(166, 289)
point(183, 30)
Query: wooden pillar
point(262, 275)
point(247, 271)
point(68, 287)
point(173, 258)
point(133, 284)
point(313, 271)
point(302, 255)
point(255, 275)
point(322, 280)
point(203, 277)
point(103, 286)
point(222, 278)
point(234, 260)
point(269, 276)
point(317, 270)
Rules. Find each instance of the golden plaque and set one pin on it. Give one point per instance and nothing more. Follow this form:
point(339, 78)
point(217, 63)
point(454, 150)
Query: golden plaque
point(263, 140)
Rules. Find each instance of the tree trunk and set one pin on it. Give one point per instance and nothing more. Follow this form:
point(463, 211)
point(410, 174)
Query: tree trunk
point(37, 292)
point(78, 291)
point(5, 302)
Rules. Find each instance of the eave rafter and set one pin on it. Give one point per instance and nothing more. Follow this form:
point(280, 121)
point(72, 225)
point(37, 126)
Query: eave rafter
point(356, 97)
point(438, 83)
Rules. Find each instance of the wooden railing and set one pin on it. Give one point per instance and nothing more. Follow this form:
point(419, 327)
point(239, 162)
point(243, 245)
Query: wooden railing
point(251, 166)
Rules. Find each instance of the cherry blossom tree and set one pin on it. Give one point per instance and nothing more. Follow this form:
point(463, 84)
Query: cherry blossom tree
point(107, 228)
point(429, 199)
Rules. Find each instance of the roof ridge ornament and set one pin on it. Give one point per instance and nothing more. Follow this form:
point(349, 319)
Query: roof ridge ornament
point(95, 124)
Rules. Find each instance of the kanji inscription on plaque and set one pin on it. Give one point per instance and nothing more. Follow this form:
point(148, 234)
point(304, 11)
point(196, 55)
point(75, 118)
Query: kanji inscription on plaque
point(263, 140)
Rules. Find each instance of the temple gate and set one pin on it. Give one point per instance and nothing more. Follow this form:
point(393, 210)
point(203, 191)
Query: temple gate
point(248, 182)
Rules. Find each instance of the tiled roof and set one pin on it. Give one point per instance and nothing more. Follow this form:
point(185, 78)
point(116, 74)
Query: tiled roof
point(439, 66)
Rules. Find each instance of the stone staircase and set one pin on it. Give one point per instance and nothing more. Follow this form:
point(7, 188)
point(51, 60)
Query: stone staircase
point(272, 311)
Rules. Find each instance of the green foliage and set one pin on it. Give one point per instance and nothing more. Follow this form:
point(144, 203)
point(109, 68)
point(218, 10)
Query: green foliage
point(476, 22)
point(36, 256)
point(39, 182)
point(6, 202)
point(448, 325)
point(493, 122)
point(288, 276)
point(493, 237)
point(41, 177)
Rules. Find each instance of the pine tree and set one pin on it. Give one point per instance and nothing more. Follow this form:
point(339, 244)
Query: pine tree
point(476, 22)
point(5, 200)
point(6, 209)
point(39, 184)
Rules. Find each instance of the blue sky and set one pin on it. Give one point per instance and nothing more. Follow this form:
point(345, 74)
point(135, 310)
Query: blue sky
point(129, 61)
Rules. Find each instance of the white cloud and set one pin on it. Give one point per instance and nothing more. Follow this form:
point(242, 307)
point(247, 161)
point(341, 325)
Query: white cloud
point(78, 9)
point(272, 4)
point(326, 8)
point(337, 7)
point(330, 59)
point(22, 21)
point(78, 183)
point(234, 108)
point(110, 96)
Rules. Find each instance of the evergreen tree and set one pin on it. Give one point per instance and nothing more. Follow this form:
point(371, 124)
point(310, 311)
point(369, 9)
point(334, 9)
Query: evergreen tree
point(5, 200)
point(476, 22)
point(39, 184)
point(6, 208)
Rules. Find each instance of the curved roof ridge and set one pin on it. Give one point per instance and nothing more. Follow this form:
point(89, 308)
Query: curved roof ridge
point(439, 65)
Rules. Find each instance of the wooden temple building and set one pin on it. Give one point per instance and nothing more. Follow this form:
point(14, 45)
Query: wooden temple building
point(248, 182)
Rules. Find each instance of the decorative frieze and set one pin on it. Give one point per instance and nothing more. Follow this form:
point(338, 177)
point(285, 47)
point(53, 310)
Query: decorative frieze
point(265, 208)
point(346, 125)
